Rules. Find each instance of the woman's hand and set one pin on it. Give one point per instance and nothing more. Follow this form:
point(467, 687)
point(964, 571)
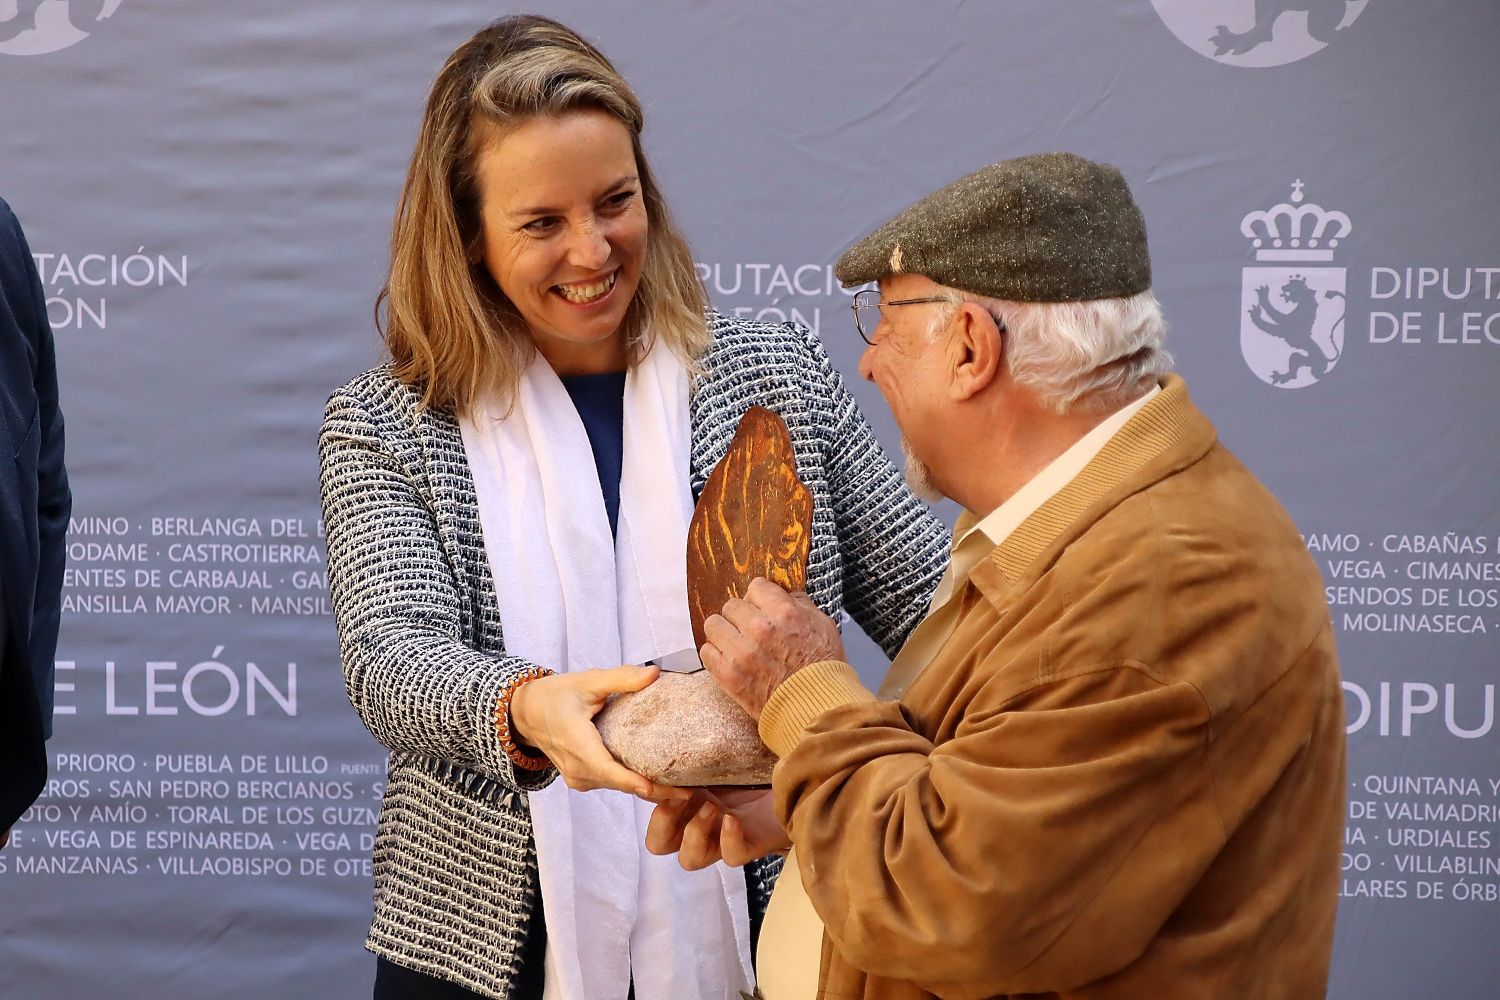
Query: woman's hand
point(733, 825)
point(555, 714)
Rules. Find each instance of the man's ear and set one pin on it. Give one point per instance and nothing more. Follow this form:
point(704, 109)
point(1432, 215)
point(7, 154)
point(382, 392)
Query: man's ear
point(976, 351)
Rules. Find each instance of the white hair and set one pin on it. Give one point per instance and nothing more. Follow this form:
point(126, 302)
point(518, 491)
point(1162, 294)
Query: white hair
point(918, 476)
point(1079, 357)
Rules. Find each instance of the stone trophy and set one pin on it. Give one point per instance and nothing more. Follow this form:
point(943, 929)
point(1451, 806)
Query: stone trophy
point(754, 518)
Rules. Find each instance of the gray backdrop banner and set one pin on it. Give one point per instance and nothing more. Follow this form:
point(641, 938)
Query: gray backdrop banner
point(208, 190)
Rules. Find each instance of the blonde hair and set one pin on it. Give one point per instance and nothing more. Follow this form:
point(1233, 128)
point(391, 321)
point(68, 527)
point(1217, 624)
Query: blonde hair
point(450, 330)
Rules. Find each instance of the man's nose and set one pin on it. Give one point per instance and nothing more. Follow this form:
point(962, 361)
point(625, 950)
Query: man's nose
point(867, 364)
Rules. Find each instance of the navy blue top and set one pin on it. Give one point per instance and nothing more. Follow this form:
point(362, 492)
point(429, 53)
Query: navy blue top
point(600, 400)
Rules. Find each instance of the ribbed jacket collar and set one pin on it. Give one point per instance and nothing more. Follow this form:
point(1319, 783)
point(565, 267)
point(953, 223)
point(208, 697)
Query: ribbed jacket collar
point(1165, 436)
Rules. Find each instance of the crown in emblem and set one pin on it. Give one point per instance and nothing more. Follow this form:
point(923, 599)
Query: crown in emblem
point(1294, 230)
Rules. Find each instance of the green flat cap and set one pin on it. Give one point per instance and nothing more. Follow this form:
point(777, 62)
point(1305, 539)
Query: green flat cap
point(1053, 227)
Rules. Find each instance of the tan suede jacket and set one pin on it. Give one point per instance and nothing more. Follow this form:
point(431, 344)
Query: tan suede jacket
point(1121, 777)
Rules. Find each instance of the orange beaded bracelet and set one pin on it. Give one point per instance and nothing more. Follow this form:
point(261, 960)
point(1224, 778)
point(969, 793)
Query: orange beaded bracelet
point(508, 743)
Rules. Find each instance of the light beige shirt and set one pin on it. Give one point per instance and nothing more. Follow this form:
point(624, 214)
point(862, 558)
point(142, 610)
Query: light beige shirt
point(791, 939)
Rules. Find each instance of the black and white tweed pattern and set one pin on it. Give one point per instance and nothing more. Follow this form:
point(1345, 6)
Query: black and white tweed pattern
point(422, 647)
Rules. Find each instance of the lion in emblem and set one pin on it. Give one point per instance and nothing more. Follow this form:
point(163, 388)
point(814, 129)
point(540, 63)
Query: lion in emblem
point(76, 13)
point(1323, 19)
point(1294, 327)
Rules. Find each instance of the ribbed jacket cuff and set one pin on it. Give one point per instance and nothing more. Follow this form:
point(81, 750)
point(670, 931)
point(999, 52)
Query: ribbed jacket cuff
point(804, 696)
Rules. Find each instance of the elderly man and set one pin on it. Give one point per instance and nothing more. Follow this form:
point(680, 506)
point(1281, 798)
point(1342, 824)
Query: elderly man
point(1110, 762)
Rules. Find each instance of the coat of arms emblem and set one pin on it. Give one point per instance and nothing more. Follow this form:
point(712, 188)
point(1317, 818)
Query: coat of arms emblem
point(1258, 34)
point(41, 27)
point(1292, 308)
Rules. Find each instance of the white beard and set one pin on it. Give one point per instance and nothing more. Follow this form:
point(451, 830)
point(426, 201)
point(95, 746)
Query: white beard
point(918, 479)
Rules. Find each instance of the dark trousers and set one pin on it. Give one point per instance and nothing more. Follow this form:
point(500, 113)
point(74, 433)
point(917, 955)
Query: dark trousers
point(396, 982)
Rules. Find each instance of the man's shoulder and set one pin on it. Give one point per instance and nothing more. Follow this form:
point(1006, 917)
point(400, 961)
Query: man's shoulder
point(1216, 511)
point(1192, 574)
point(1201, 541)
point(1213, 510)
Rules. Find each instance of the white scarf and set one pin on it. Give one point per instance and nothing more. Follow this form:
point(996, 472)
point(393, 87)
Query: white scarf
point(572, 598)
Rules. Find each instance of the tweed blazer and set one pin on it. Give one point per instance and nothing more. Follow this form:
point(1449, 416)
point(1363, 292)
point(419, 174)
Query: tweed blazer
point(423, 647)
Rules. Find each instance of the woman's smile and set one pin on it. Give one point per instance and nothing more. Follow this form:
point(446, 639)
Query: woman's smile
point(586, 294)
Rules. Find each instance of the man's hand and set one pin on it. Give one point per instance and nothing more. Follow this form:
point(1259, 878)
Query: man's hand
point(756, 643)
point(717, 824)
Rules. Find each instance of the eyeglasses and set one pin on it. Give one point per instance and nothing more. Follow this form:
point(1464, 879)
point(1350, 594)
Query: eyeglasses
point(866, 307)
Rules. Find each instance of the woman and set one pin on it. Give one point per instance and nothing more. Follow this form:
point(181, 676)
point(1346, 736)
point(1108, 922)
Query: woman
point(502, 503)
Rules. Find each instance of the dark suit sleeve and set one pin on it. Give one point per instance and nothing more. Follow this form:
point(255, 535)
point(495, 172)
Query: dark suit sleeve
point(54, 500)
point(54, 505)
